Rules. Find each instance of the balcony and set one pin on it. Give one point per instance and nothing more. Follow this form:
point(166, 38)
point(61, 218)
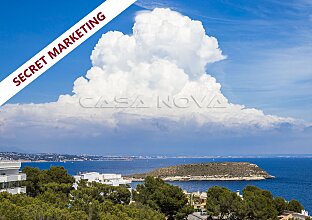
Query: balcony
point(15, 190)
point(12, 178)
point(10, 165)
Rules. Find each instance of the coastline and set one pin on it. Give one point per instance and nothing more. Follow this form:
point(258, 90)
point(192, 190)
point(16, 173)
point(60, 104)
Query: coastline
point(205, 178)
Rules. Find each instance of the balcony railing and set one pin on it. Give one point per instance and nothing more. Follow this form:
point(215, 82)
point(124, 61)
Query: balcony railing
point(15, 190)
point(12, 178)
point(5, 165)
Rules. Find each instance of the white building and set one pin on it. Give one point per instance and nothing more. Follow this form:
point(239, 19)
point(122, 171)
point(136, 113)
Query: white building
point(11, 178)
point(108, 179)
point(287, 215)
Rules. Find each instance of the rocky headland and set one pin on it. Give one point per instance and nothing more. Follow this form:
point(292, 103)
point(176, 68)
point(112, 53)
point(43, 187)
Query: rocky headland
point(220, 171)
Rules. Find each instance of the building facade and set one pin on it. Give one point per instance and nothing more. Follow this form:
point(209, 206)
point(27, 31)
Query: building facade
point(107, 179)
point(11, 179)
point(288, 215)
point(197, 200)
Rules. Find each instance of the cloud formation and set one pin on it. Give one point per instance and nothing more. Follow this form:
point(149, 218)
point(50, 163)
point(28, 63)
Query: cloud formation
point(165, 58)
point(167, 55)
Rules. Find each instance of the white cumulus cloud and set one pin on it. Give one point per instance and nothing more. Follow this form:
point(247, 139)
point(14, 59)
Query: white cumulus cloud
point(164, 61)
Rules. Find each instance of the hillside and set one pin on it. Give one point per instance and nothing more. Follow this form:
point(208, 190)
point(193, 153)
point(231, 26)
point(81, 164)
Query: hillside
point(207, 171)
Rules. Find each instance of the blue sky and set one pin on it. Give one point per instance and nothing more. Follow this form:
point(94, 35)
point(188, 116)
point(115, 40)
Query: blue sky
point(27, 27)
point(268, 45)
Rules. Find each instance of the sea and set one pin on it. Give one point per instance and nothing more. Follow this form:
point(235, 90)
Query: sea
point(293, 175)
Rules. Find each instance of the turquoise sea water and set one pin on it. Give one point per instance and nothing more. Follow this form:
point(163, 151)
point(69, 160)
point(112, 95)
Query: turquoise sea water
point(293, 175)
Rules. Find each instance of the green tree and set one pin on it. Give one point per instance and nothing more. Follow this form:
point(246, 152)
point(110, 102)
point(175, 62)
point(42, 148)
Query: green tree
point(222, 202)
point(259, 204)
point(294, 206)
point(51, 197)
point(37, 179)
point(164, 197)
point(58, 199)
point(100, 192)
point(59, 175)
point(280, 204)
point(117, 194)
point(23, 207)
point(134, 211)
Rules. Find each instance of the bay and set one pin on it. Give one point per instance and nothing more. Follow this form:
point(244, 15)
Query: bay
point(293, 175)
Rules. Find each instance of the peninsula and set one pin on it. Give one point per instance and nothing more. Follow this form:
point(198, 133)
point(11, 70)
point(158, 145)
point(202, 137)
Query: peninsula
point(225, 171)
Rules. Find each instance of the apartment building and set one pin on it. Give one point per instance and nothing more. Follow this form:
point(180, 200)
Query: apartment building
point(11, 179)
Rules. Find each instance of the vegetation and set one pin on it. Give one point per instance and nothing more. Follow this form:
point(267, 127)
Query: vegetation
point(280, 204)
point(255, 204)
point(295, 206)
point(208, 170)
point(222, 202)
point(39, 180)
point(163, 197)
point(50, 196)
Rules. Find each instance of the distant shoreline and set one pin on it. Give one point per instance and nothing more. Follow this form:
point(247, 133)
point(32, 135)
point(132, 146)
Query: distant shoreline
point(65, 161)
point(63, 158)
